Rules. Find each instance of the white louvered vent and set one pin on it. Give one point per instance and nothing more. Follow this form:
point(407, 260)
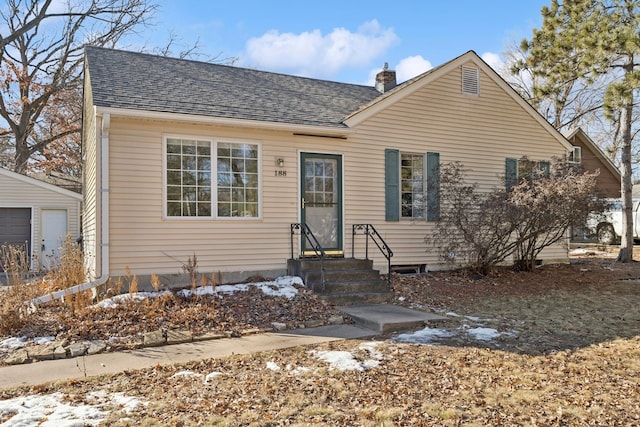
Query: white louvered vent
point(470, 81)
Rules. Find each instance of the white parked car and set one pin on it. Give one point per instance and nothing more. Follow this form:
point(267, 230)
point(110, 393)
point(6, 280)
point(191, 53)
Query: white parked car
point(608, 229)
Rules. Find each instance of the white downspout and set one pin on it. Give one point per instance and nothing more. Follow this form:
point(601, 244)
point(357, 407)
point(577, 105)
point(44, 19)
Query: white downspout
point(104, 194)
point(103, 241)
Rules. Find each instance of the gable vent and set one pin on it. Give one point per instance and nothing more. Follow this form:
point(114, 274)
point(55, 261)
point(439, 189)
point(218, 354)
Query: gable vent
point(470, 81)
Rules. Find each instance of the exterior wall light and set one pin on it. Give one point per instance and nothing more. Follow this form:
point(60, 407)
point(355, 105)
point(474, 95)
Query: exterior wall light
point(280, 162)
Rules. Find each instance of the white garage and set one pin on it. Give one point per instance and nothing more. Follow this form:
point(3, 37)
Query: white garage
point(38, 215)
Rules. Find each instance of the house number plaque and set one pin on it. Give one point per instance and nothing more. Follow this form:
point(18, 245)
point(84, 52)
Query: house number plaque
point(280, 173)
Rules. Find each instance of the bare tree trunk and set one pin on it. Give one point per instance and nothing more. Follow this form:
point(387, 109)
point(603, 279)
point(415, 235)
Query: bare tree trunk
point(626, 241)
point(22, 153)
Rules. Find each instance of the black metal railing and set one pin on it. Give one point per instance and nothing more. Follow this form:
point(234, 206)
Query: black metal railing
point(312, 244)
point(370, 232)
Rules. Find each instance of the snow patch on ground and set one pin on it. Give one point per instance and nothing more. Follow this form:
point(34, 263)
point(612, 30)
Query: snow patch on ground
point(344, 360)
point(135, 296)
point(185, 374)
point(212, 376)
point(485, 334)
point(477, 331)
point(281, 287)
point(298, 370)
point(371, 349)
point(14, 343)
point(51, 411)
point(424, 336)
point(127, 403)
point(272, 366)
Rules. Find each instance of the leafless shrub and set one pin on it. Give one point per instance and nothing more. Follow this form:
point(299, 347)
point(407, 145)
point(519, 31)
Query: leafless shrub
point(191, 269)
point(482, 229)
point(544, 207)
point(473, 229)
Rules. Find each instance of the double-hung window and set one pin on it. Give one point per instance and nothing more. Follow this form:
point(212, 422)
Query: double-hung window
point(517, 170)
point(412, 185)
point(210, 178)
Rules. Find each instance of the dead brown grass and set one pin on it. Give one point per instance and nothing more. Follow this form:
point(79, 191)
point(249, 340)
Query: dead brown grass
point(67, 270)
point(556, 307)
point(413, 385)
point(15, 315)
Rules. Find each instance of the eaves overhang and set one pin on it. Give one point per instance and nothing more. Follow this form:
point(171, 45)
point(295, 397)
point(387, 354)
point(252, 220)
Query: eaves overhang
point(335, 132)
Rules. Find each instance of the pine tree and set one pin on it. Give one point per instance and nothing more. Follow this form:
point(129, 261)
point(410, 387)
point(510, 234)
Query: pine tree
point(586, 41)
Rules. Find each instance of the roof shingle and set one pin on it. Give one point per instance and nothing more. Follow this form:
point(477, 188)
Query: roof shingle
point(131, 80)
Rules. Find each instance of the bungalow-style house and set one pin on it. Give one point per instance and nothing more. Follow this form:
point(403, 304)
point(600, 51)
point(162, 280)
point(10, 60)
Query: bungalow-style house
point(591, 158)
point(38, 216)
point(187, 158)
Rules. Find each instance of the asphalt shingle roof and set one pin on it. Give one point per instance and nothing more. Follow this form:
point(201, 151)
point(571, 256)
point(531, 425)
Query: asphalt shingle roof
point(121, 79)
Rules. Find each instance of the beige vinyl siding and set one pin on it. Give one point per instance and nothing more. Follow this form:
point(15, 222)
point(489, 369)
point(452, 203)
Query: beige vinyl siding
point(147, 242)
point(18, 193)
point(90, 184)
point(481, 131)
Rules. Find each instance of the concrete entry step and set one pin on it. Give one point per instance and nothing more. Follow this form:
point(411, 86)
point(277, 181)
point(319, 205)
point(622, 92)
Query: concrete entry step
point(387, 318)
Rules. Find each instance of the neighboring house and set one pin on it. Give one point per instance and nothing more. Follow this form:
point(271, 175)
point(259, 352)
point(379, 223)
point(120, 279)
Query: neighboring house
point(591, 158)
point(37, 213)
point(188, 158)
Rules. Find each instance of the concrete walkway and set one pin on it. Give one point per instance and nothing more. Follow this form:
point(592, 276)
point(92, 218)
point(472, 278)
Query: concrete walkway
point(110, 363)
point(387, 318)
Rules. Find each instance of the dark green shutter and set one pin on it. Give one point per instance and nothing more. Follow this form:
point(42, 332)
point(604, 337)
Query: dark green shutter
point(392, 184)
point(433, 186)
point(511, 173)
point(545, 167)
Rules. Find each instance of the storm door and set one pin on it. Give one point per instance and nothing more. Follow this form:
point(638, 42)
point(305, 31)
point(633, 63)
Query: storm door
point(321, 201)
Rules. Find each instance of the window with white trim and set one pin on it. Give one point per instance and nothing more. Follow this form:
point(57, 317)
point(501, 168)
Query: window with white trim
point(412, 197)
point(576, 155)
point(412, 185)
point(192, 192)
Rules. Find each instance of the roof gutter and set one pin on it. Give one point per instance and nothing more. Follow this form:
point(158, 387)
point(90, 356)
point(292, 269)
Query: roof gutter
point(103, 241)
point(340, 132)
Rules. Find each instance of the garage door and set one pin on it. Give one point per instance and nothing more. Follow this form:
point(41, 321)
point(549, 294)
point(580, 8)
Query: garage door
point(15, 226)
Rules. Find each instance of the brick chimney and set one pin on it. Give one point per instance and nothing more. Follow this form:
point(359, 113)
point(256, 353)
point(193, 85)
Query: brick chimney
point(385, 79)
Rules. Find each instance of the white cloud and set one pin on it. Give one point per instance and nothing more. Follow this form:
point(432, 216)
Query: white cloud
point(502, 66)
point(312, 53)
point(411, 66)
point(494, 60)
point(406, 69)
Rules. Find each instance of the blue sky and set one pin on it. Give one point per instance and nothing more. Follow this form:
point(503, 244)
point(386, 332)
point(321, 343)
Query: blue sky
point(346, 40)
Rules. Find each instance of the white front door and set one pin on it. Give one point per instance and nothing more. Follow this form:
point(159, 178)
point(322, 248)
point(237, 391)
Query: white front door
point(54, 231)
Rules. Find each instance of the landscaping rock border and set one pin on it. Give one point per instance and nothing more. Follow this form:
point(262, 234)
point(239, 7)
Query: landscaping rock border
point(63, 349)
